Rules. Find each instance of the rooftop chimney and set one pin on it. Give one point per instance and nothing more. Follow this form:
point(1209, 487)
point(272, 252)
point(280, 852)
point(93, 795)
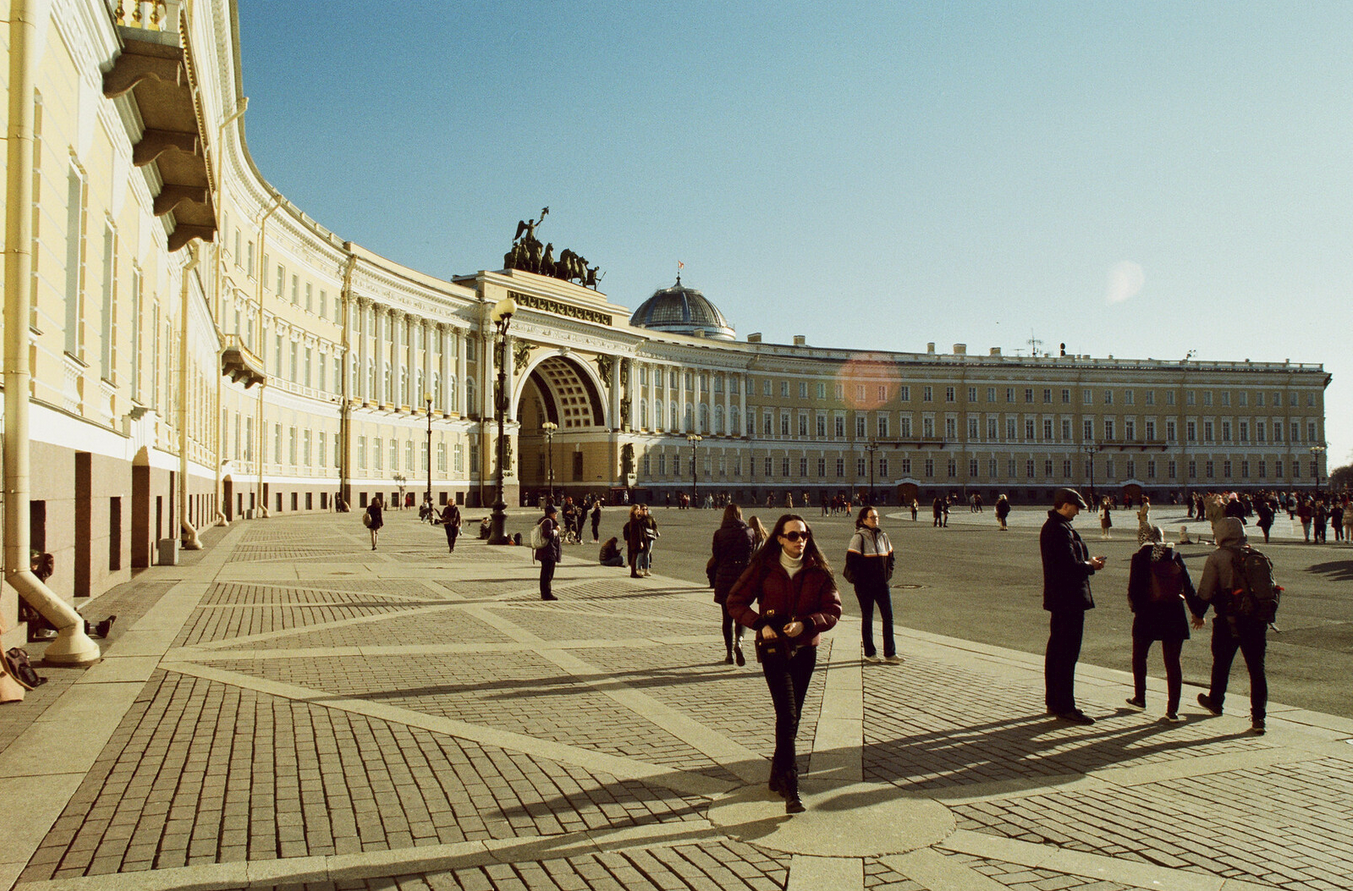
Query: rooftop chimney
point(960, 349)
point(800, 340)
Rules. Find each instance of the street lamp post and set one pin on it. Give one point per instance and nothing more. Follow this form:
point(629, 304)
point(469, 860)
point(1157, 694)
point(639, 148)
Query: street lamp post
point(1090, 448)
point(548, 428)
point(1317, 451)
point(871, 447)
point(502, 318)
point(694, 438)
point(427, 398)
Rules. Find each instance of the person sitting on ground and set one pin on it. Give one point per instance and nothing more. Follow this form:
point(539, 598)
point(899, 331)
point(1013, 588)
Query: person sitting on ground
point(610, 553)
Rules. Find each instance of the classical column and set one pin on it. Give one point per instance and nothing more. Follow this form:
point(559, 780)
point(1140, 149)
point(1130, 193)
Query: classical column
point(443, 335)
point(680, 423)
point(615, 393)
point(727, 403)
point(459, 341)
point(634, 394)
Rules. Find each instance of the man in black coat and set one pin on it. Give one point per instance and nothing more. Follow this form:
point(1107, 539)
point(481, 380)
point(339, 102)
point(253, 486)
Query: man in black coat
point(1067, 567)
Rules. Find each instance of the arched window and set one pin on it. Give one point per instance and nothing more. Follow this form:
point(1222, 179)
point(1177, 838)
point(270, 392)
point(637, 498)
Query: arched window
point(470, 401)
point(385, 384)
point(454, 393)
point(436, 389)
point(704, 418)
point(673, 415)
point(735, 421)
point(690, 420)
point(657, 414)
point(718, 419)
point(643, 413)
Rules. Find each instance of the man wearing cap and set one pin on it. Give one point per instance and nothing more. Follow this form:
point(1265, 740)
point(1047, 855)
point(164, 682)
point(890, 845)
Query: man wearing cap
point(552, 553)
point(1067, 567)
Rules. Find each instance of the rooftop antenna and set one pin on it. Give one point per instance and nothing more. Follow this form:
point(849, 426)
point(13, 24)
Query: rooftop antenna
point(1034, 343)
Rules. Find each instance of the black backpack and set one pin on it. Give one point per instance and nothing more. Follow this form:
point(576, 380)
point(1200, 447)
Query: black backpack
point(1254, 595)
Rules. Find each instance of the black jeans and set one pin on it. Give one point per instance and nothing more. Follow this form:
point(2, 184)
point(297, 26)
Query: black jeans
point(546, 577)
point(451, 533)
point(883, 599)
point(732, 631)
point(1174, 675)
point(1249, 638)
point(1059, 665)
point(788, 681)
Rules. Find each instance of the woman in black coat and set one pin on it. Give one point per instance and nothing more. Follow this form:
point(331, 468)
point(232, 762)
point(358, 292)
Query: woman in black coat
point(1159, 590)
point(733, 545)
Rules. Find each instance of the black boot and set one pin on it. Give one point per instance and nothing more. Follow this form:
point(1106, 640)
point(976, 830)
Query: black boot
point(777, 783)
point(790, 785)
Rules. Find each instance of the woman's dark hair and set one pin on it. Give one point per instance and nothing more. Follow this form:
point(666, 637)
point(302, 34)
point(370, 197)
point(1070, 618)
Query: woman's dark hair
point(859, 518)
point(731, 514)
point(769, 553)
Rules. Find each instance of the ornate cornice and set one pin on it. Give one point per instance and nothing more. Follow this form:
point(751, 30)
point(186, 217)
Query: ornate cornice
point(559, 308)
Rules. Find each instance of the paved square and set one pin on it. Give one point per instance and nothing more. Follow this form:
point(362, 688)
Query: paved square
point(278, 713)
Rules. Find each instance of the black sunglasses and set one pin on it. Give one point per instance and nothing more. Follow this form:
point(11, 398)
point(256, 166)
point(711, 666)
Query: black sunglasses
point(795, 535)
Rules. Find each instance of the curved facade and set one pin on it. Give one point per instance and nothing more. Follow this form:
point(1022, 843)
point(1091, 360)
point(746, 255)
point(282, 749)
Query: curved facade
point(203, 352)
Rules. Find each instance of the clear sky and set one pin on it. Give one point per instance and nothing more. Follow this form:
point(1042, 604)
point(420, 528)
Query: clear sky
point(1132, 179)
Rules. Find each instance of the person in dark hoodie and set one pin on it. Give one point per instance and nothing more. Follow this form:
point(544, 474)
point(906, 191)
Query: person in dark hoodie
point(869, 566)
point(732, 548)
point(1159, 589)
point(1067, 567)
point(1231, 632)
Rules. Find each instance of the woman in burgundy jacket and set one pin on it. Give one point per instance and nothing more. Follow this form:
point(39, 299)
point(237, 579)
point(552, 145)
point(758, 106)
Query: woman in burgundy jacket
point(787, 594)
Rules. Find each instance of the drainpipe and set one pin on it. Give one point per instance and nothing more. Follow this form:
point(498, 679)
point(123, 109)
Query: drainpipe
point(218, 168)
point(344, 415)
point(260, 502)
point(190, 540)
point(71, 646)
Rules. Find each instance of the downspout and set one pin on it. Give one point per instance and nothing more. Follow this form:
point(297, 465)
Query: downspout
point(72, 645)
point(218, 168)
point(190, 540)
point(345, 413)
point(260, 501)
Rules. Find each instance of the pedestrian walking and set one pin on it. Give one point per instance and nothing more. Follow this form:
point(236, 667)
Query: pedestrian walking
point(450, 518)
point(1144, 522)
point(869, 569)
point(1105, 518)
point(374, 519)
point(731, 550)
point(787, 594)
point(1161, 595)
point(633, 531)
point(1067, 567)
point(1231, 630)
point(1003, 511)
point(596, 519)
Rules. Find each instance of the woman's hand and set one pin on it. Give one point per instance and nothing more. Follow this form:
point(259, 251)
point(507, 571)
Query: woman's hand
point(768, 633)
point(793, 629)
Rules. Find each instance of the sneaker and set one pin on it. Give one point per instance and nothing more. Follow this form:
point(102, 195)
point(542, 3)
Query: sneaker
point(1206, 702)
point(893, 660)
point(1172, 718)
point(1257, 727)
point(1076, 717)
point(1137, 703)
point(873, 660)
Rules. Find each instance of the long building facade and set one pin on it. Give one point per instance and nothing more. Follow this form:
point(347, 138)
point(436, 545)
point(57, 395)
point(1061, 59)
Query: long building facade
point(196, 350)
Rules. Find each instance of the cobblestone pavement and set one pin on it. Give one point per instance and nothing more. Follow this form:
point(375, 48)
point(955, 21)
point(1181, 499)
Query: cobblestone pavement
point(291, 710)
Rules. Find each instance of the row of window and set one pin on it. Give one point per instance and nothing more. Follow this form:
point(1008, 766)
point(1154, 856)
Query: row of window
point(882, 393)
point(722, 467)
point(374, 459)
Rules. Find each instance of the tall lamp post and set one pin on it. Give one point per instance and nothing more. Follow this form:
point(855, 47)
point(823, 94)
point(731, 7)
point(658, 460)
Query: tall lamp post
point(548, 429)
point(1317, 452)
point(427, 398)
point(694, 438)
point(871, 447)
point(502, 317)
point(1090, 448)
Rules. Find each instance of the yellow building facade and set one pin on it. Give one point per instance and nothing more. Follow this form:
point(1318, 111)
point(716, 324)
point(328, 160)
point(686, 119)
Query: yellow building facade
point(184, 347)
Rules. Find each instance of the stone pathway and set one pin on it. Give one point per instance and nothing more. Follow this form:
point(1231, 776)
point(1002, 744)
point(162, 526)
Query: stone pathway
point(298, 711)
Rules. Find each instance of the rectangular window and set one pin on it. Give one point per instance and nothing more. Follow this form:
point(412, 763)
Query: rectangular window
point(1087, 397)
point(952, 468)
point(928, 395)
point(972, 394)
point(904, 427)
point(1009, 394)
point(1066, 395)
point(883, 426)
point(1191, 431)
point(821, 468)
point(803, 467)
point(972, 468)
point(821, 426)
point(1130, 430)
point(803, 389)
point(859, 427)
point(784, 467)
point(991, 429)
point(803, 426)
point(108, 316)
point(1029, 468)
point(1088, 430)
point(1010, 434)
point(1066, 430)
point(1150, 397)
point(992, 465)
point(1170, 431)
point(840, 427)
point(1207, 431)
point(906, 467)
point(951, 429)
point(770, 467)
point(1244, 431)
point(883, 467)
point(784, 425)
point(929, 468)
point(1150, 431)
point(840, 468)
point(904, 394)
point(949, 395)
point(1225, 431)
point(821, 390)
point(1028, 395)
point(972, 428)
point(991, 394)
point(928, 428)
point(1047, 429)
point(1108, 429)
point(1028, 430)
point(1047, 396)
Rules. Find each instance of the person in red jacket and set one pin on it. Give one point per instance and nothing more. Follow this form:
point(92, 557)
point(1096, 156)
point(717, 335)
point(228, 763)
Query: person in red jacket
point(788, 595)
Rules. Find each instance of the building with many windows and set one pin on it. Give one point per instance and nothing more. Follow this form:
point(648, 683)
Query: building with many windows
point(185, 347)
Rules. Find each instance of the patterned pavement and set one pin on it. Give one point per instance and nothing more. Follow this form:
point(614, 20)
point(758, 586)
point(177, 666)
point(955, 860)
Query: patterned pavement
point(289, 709)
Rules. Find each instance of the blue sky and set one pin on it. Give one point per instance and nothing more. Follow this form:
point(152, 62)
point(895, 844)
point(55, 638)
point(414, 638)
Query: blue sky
point(1137, 180)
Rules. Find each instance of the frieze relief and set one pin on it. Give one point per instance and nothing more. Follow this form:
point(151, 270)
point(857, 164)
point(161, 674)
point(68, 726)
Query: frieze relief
point(557, 308)
point(521, 355)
